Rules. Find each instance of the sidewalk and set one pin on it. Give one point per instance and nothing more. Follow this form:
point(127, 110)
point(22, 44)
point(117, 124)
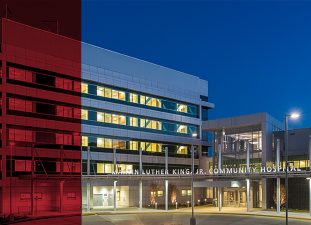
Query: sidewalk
point(202, 210)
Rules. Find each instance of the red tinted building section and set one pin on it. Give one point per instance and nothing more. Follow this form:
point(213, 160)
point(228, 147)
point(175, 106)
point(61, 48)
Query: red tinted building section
point(40, 157)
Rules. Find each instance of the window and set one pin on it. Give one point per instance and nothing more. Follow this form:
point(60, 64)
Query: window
point(20, 105)
point(160, 193)
point(142, 99)
point(133, 145)
point(120, 95)
point(84, 88)
point(120, 144)
point(154, 102)
point(151, 147)
point(23, 165)
point(182, 129)
point(185, 192)
point(84, 114)
point(100, 117)
point(63, 111)
point(118, 119)
point(85, 141)
point(108, 143)
point(124, 168)
point(63, 83)
point(19, 74)
point(100, 142)
point(108, 118)
point(20, 135)
point(104, 168)
point(101, 91)
point(182, 108)
point(108, 168)
point(133, 98)
point(182, 150)
point(134, 121)
point(63, 139)
point(151, 124)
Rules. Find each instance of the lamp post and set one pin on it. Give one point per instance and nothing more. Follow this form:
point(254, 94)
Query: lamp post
point(287, 117)
point(192, 219)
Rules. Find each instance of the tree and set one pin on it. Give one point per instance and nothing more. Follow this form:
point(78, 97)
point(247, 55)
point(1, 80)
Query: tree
point(282, 196)
point(154, 187)
point(173, 192)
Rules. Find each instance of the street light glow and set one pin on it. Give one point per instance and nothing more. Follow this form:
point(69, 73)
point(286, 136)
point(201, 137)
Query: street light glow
point(294, 115)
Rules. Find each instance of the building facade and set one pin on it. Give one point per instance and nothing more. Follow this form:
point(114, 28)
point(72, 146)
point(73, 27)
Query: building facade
point(40, 122)
point(130, 105)
point(256, 142)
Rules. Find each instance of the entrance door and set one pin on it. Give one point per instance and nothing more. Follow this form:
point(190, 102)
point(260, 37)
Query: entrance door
point(98, 200)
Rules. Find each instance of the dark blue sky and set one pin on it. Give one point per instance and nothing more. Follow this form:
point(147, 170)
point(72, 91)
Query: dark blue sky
point(256, 55)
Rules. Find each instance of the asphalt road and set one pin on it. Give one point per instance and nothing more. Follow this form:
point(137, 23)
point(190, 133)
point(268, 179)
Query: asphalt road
point(166, 219)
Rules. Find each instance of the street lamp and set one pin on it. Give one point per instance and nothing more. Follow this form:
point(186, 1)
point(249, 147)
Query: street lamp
point(192, 219)
point(294, 116)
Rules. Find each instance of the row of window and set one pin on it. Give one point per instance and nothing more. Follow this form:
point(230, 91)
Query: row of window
point(134, 121)
point(104, 117)
point(134, 145)
point(21, 165)
point(141, 99)
point(109, 168)
point(102, 91)
point(22, 135)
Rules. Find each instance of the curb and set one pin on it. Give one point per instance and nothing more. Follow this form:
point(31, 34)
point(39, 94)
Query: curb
point(198, 213)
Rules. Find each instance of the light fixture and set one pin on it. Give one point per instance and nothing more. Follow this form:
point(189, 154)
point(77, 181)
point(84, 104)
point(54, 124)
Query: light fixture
point(194, 135)
point(294, 115)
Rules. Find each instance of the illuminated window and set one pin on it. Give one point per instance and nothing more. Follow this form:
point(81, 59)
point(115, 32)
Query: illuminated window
point(124, 168)
point(155, 102)
point(134, 121)
point(185, 192)
point(118, 119)
point(85, 141)
point(160, 193)
point(182, 129)
point(108, 118)
point(115, 94)
point(101, 91)
point(108, 143)
point(84, 88)
point(84, 114)
point(302, 164)
point(142, 99)
point(182, 150)
point(100, 117)
point(151, 147)
point(151, 124)
point(120, 144)
point(100, 142)
point(133, 145)
point(133, 98)
point(182, 108)
point(104, 168)
point(121, 95)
